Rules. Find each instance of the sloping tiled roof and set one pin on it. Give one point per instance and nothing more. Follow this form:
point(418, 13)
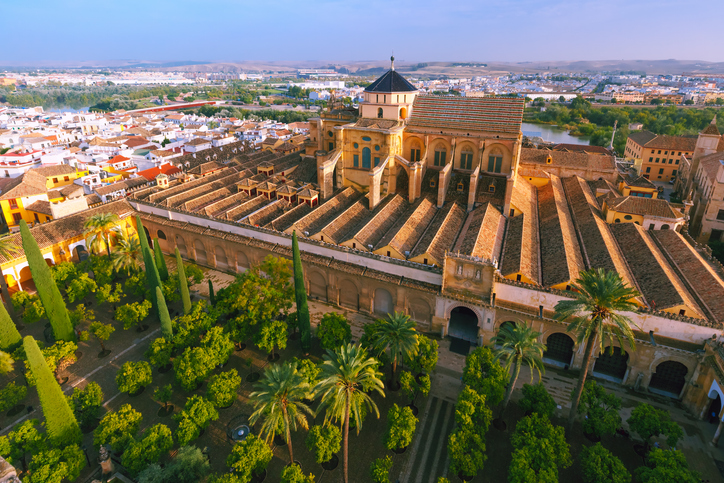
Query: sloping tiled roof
point(482, 234)
point(568, 159)
point(650, 140)
point(391, 81)
point(29, 183)
point(496, 114)
point(40, 206)
point(694, 272)
point(638, 182)
point(637, 205)
point(658, 282)
point(710, 164)
point(711, 128)
point(561, 259)
point(55, 170)
point(48, 234)
point(520, 253)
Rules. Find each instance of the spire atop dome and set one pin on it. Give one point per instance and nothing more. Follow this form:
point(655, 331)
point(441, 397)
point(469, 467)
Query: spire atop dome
point(392, 65)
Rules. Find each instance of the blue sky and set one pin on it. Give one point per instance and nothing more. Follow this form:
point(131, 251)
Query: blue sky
point(349, 30)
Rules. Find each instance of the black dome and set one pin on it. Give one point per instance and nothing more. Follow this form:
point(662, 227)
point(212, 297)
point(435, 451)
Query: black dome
point(391, 81)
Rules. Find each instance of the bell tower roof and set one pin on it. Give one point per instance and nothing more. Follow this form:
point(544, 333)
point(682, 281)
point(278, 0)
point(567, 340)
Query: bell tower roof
point(711, 128)
point(391, 81)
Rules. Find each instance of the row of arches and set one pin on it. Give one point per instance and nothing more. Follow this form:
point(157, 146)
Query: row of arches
point(346, 292)
point(668, 377)
point(496, 157)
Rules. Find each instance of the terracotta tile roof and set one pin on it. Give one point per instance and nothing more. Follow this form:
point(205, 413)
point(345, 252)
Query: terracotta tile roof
point(219, 209)
point(409, 232)
point(30, 183)
point(167, 169)
point(567, 159)
point(40, 206)
point(55, 170)
point(492, 114)
point(378, 123)
point(326, 212)
point(268, 213)
point(48, 234)
point(344, 226)
point(482, 233)
point(641, 137)
point(711, 128)
point(247, 208)
point(659, 285)
point(650, 140)
point(700, 279)
point(520, 253)
point(285, 221)
point(638, 181)
point(637, 205)
point(599, 248)
point(582, 148)
point(711, 163)
point(561, 259)
point(441, 233)
point(373, 231)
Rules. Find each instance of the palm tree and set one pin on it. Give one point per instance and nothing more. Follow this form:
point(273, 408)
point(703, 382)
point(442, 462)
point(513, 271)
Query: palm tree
point(8, 248)
point(396, 333)
point(278, 399)
point(127, 253)
point(519, 346)
point(346, 377)
point(595, 316)
point(100, 227)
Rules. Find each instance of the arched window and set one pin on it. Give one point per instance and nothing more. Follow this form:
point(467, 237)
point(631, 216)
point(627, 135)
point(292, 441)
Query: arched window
point(466, 159)
point(495, 161)
point(664, 227)
point(415, 151)
point(379, 112)
point(366, 158)
point(403, 113)
point(440, 155)
point(161, 235)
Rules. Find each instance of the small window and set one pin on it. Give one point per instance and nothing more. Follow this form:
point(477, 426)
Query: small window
point(661, 171)
point(491, 188)
point(55, 180)
point(13, 204)
point(355, 161)
point(720, 215)
point(518, 277)
point(628, 217)
point(657, 159)
point(366, 139)
point(461, 187)
point(648, 170)
point(433, 183)
point(512, 212)
point(377, 161)
point(377, 148)
point(651, 160)
point(354, 245)
point(388, 253)
point(682, 312)
point(356, 146)
point(440, 158)
point(321, 237)
point(424, 260)
point(659, 152)
point(330, 133)
point(617, 220)
point(331, 147)
point(666, 152)
point(66, 178)
point(379, 113)
point(466, 160)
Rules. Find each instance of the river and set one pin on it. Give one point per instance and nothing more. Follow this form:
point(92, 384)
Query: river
point(552, 134)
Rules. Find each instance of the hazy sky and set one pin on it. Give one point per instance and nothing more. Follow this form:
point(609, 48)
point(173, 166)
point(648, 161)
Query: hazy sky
point(419, 30)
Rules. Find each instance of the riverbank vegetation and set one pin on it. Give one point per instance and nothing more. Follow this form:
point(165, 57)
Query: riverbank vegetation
point(580, 118)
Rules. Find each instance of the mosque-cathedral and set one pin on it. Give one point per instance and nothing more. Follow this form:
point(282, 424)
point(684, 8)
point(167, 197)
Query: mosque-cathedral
point(432, 206)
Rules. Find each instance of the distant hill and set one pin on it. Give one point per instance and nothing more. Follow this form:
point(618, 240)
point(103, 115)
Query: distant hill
point(366, 68)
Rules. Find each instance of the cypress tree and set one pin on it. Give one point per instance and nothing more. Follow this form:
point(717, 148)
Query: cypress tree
point(153, 279)
point(160, 261)
point(63, 429)
point(212, 297)
point(300, 294)
point(9, 335)
point(48, 292)
point(163, 316)
point(183, 284)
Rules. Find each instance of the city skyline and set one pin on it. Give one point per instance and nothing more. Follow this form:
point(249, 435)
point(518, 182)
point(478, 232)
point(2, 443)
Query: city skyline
point(430, 30)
